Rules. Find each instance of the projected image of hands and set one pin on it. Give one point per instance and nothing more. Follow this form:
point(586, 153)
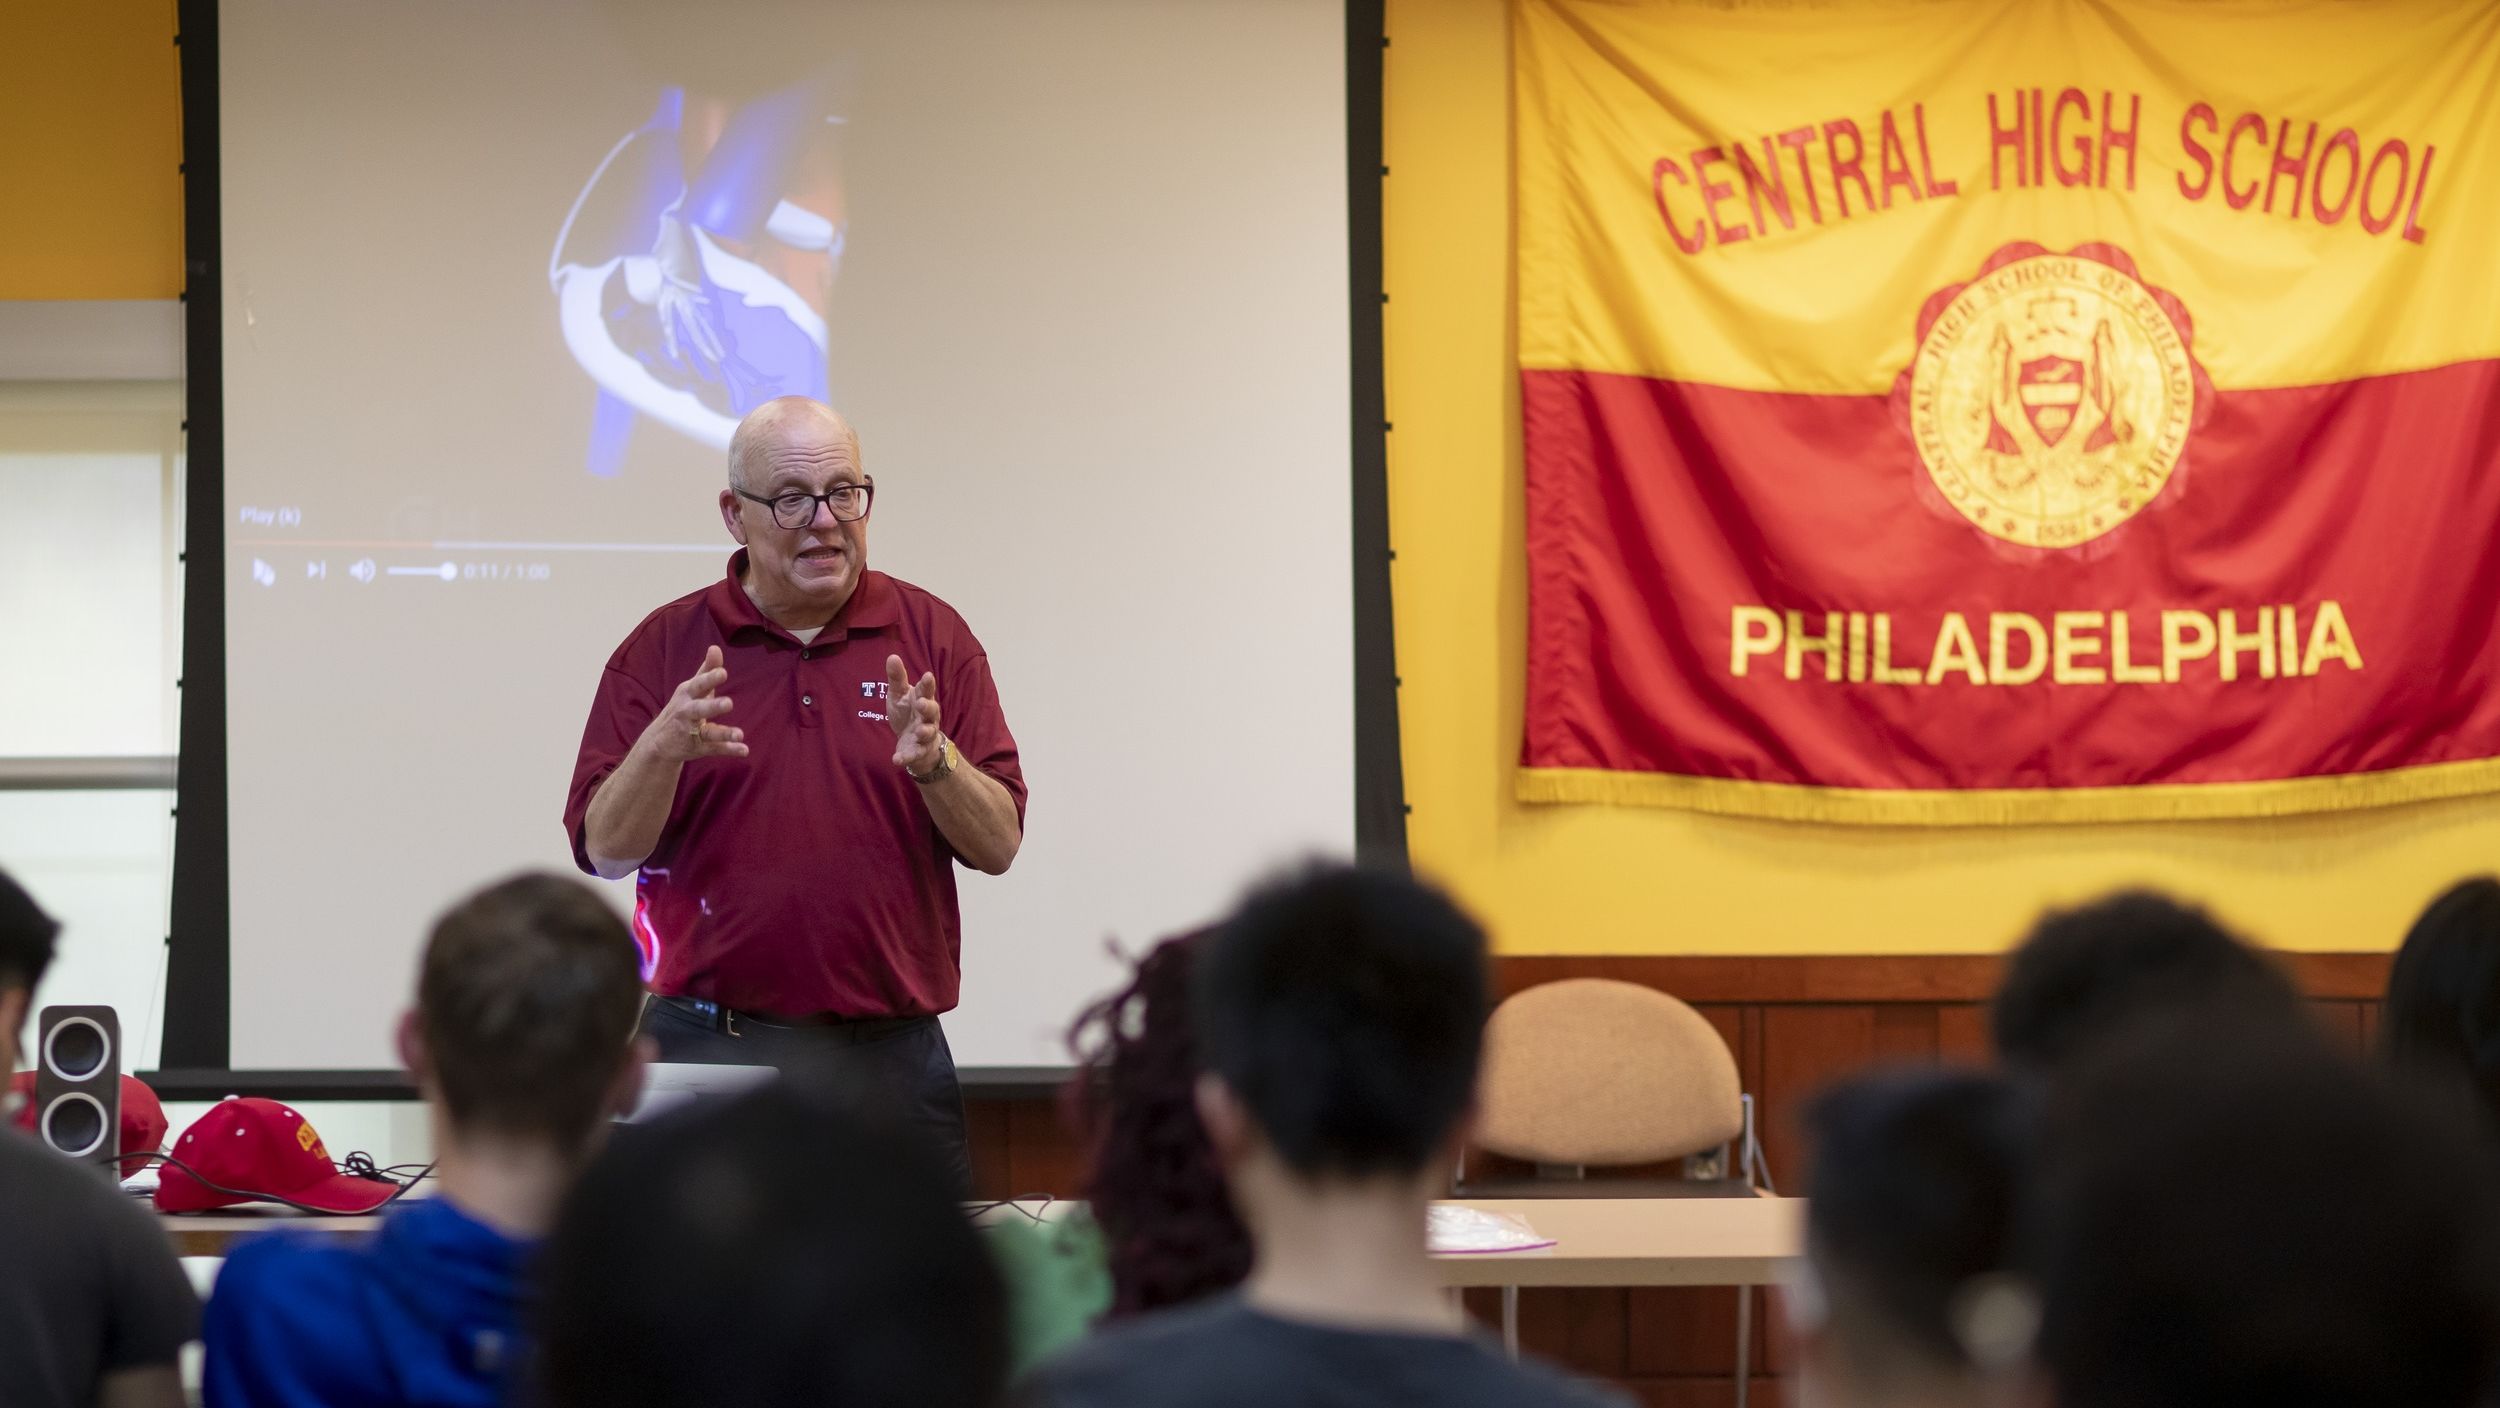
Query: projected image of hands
point(692, 273)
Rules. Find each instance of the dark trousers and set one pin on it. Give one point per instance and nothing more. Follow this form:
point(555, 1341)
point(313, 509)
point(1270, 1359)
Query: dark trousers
point(903, 1069)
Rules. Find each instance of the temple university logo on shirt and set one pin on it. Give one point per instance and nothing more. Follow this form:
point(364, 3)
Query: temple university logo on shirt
point(872, 689)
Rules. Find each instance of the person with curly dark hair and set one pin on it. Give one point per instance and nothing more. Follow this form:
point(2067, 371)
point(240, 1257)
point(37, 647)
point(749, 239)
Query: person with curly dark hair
point(1156, 1191)
point(1157, 1229)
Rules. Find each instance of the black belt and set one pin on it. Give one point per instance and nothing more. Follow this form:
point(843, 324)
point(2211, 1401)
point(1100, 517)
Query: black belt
point(729, 1021)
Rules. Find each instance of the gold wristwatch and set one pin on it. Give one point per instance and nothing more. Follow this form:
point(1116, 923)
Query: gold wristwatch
point(946, 764)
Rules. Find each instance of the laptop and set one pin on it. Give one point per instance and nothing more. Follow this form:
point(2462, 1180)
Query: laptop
point(669, 1084)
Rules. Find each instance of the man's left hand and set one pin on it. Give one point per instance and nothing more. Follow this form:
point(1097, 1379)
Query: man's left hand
point(912, 710)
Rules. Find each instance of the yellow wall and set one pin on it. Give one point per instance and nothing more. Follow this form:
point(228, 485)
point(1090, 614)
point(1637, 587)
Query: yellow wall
point(90, 146)
point(1582, 879)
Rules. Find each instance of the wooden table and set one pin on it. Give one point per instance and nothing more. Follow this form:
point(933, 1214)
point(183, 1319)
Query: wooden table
point(1598, 1241)
point(210, 1233)
point(1641, 1242)
point(1741, 1242)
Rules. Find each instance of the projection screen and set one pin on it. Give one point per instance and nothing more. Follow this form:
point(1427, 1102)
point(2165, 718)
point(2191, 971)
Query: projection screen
point(498, 279)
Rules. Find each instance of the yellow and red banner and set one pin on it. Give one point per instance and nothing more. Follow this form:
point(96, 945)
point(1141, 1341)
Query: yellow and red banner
point(2042, 410)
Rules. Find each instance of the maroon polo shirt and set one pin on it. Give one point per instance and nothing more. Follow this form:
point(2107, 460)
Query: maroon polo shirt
point(807, 877)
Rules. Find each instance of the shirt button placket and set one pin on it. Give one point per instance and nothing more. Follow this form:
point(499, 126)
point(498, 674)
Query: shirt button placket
point(808, 717)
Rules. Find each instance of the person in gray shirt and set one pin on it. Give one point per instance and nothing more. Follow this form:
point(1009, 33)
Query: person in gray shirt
point(1340, 1015)
point(94, 1310)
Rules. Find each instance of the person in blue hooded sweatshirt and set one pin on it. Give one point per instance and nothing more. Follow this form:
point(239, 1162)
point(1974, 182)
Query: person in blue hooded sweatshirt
point(523, 1042)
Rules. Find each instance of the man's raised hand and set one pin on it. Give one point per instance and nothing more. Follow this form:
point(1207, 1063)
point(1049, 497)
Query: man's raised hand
point(911, 710)
point(685, 729)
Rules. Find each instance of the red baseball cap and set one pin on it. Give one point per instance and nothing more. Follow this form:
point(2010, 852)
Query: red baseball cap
point(261, 1149)
point(143, 1119)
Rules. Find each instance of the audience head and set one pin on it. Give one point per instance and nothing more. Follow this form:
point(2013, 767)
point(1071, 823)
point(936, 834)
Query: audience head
point(2441, 1023)
point(527, 996)
point(2229, 1214)
point(1340, 1013)
point(2087, 973)
point(1910, 1293)
point(26, 935)
point(773, 1250)
point(1155, 1188)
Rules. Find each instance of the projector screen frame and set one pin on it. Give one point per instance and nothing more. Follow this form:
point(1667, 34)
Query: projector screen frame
point(194, 1061)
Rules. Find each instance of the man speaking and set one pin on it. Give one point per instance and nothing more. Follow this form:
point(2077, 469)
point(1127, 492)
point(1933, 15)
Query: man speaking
point(794, 758)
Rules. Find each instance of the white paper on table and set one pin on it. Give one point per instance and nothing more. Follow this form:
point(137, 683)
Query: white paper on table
point(1464, 1231)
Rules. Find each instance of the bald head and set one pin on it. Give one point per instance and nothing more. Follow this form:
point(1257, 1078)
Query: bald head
point(782, 425)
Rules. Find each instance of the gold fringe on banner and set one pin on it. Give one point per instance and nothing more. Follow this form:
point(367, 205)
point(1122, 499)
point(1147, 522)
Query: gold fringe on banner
point(1875, 806)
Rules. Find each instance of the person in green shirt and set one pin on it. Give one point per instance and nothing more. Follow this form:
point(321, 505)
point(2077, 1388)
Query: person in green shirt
point(1158, 1228)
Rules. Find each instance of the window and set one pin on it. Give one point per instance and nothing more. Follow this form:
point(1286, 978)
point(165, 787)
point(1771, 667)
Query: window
point(90, 646)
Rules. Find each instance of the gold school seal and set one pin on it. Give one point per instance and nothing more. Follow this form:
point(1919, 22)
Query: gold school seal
point(2051, 398)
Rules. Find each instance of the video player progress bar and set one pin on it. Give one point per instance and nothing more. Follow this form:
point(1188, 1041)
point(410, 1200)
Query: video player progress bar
point(575, 547)
point(476, 546)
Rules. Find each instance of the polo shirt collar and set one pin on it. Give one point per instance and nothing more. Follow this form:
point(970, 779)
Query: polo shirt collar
point(874, 604)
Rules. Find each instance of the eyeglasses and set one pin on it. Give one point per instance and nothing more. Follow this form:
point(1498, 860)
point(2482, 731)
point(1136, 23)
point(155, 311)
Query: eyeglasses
point(848, 503)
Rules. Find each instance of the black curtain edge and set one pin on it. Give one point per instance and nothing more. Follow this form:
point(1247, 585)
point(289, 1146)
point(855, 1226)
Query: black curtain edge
point(1379, 768)
point(199, 942)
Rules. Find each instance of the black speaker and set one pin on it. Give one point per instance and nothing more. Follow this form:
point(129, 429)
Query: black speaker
point(78, 1086)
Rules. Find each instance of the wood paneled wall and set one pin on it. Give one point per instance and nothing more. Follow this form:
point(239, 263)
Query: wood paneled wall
point(1795, 1025)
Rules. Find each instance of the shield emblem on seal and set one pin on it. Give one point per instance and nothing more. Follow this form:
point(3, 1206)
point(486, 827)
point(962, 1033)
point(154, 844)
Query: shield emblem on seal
point(2051, 390)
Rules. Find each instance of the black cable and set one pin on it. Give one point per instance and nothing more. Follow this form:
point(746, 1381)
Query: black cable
point(1032, 1215)
point(365, 1171)
point(361, 1164)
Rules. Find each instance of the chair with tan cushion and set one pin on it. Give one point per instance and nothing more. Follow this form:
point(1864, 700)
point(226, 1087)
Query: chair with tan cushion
point(1592, 1073)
